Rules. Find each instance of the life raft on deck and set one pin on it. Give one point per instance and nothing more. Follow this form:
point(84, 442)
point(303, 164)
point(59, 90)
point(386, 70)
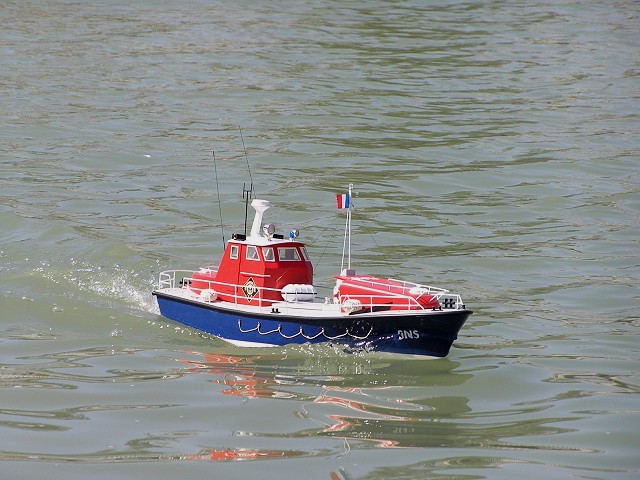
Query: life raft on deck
point(374, 292)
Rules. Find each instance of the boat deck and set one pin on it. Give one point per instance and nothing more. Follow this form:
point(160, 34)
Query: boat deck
point(392, 296)
point(317, 308)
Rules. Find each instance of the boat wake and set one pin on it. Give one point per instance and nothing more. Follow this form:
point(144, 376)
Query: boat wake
point(113, 285)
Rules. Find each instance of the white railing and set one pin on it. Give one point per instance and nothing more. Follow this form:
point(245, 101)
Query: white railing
point(429, 290)
point(169, 279)
point(383, 301)
point(182, 279)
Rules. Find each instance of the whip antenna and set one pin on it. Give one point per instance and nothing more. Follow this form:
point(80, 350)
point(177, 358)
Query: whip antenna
point(215, 168)
point(246, 194)
point(246, 157)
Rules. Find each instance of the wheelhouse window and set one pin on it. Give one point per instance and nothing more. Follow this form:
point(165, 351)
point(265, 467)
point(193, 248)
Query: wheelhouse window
point(268, 254)
point(288, 254)
point(252, 253)
point(234, 252)
point(305, 254)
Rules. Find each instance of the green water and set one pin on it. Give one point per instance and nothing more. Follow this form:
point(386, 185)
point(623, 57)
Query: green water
point(494, 147)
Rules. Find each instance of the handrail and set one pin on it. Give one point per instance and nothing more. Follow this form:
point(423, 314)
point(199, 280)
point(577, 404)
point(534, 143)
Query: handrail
point(169, 279)
point(411, 301)
point(406, 284)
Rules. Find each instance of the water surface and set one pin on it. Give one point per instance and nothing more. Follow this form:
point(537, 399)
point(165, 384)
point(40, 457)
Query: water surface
point(494, 150)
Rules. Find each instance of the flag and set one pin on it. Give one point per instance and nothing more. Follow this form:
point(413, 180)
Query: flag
point(343, 200)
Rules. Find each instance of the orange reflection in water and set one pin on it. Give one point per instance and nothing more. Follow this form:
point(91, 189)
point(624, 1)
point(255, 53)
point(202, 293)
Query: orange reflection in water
point(241, 454)
point(236, 372)
point(346, 424)
point(356, 410)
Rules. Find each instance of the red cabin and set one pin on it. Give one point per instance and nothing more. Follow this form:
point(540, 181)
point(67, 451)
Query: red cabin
point(253, 271)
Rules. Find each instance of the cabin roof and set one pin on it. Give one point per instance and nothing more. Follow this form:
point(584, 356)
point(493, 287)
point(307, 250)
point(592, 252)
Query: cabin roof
point(266, 242)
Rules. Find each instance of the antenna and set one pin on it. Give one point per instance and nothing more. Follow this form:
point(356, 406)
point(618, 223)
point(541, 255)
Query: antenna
point(215, 168)
point(246, 196)
point(246, 157)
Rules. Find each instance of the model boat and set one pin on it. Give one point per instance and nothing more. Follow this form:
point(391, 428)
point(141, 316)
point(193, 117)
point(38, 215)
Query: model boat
point(262, 294)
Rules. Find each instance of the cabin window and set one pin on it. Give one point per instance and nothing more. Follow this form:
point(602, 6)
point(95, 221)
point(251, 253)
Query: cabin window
point(305, 254)
point(234, 252)
point(268, 254)
point(288, 254)
point(252, 253)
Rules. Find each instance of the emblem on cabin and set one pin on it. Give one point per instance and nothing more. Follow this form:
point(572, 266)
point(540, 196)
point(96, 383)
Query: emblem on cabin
point(250, 289)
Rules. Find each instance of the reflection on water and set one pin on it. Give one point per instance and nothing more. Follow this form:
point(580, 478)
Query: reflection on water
point(339, 403)
point(365, 402)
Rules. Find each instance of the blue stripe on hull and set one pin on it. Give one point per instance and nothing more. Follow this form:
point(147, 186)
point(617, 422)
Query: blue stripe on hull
point(429, 334)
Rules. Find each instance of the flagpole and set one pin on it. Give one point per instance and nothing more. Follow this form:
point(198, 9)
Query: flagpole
point(349, 220)
point(344, 201)
point(344, 243)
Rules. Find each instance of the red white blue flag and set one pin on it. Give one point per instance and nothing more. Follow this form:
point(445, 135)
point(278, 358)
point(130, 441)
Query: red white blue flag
point(343, 200)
